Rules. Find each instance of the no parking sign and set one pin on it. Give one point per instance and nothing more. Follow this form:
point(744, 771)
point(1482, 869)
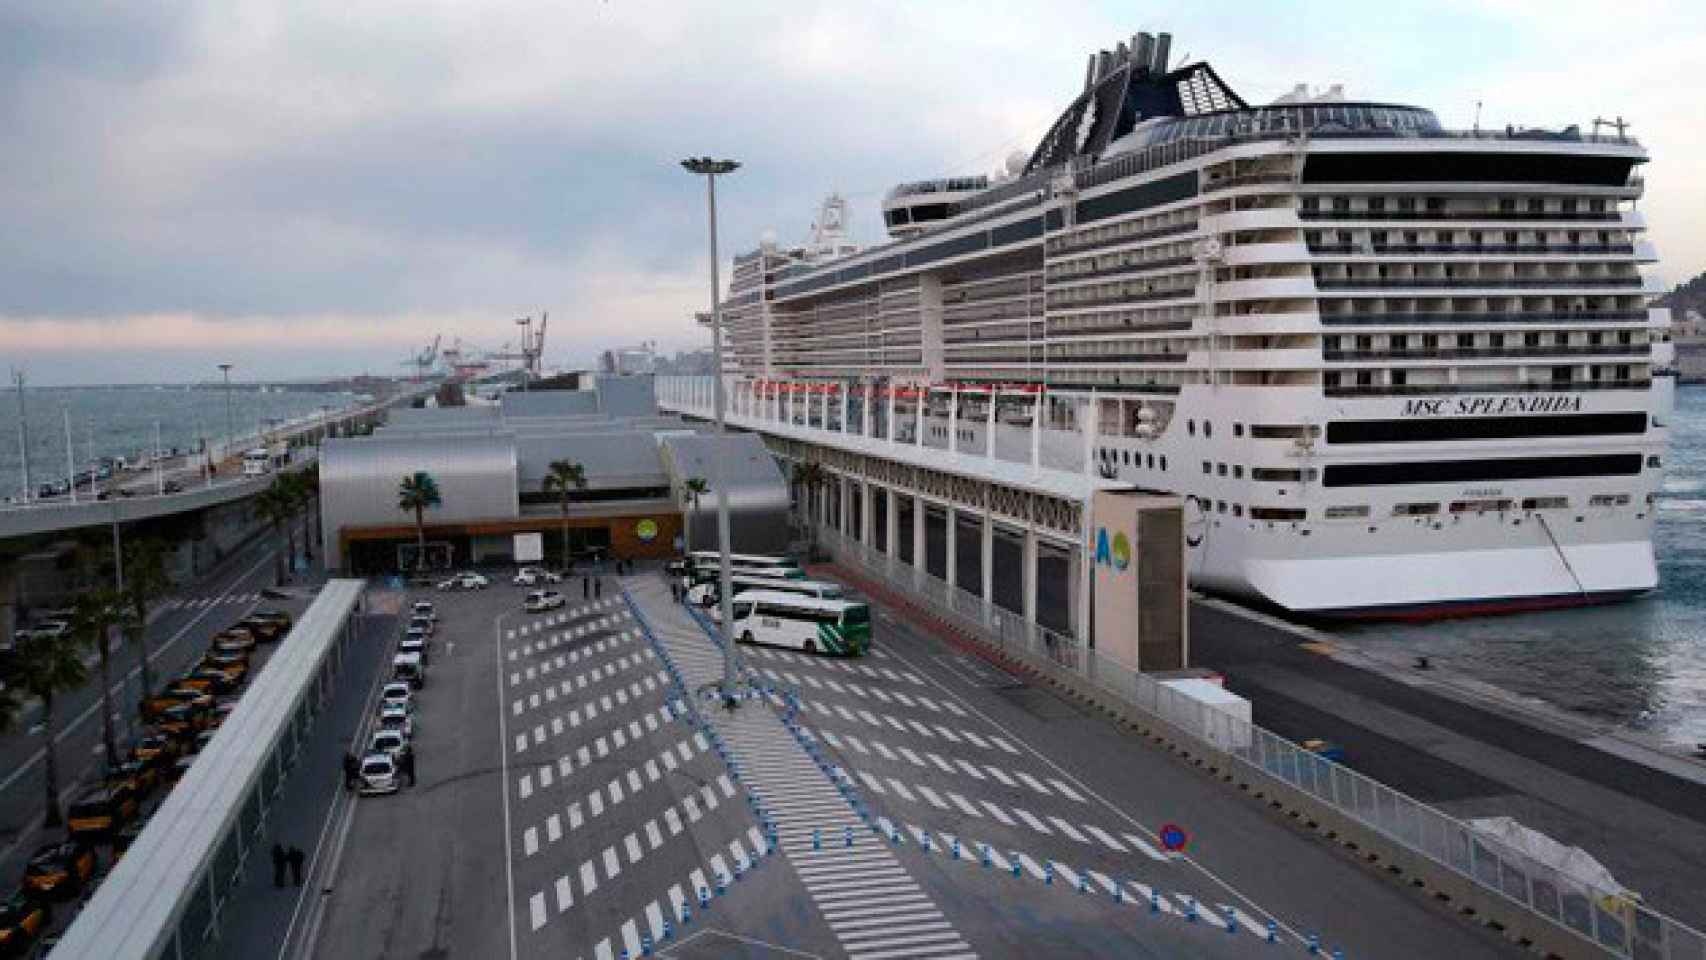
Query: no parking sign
point(1173, 838)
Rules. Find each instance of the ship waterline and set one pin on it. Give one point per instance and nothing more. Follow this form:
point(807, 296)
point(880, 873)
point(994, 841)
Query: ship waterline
point(1395, 370)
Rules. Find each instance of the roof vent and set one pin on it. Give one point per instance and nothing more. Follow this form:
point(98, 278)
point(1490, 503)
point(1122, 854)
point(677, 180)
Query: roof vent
point(1163, 46)
point(1142, 49)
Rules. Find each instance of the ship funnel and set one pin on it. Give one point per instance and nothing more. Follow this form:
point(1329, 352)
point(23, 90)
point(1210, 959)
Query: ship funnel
point(1104, 64)
point(1142, 49)
point(1121, 54)
point(1163, 46)
point(1090, 72)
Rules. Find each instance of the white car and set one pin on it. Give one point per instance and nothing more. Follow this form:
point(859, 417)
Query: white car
point(425, 625)
point(541, 600)
point(534, 576)
point(424, 610)
point(414, 644)
point(466, 581)
point(388, 742)
point(399, 718)
point(397, 692)
point(378, 774)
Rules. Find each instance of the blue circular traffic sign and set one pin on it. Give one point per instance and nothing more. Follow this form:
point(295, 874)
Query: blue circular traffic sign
point(1173, 837)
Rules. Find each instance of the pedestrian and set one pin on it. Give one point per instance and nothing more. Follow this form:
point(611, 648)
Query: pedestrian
point(586, 589)
point(295, 856)
point(598, 588)
point(675, 591)
point(278, 861)
point(406, 764)
point(352, 771)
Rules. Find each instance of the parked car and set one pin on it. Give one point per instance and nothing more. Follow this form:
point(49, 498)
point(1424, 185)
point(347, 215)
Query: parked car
point(159, 751)
point(378, 774)
point(22, 921)
point(426, 625)
point(416, 645)
point(234, 665)
point(99, 811)
point(139, 775)
point(263, 629)
point(534, 576)
point(410, 668)
point(156, 706)
point(233, 640)
point(183, 719)
point(58, 871)
point(397, 691)
point(390, 742)
point(399, 718)
point(424, 609)
point(466, 581)
point(541, 600)
point(218, 679)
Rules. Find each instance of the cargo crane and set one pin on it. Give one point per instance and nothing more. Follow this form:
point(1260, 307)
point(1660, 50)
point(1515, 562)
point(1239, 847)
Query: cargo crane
point(532, 348)
point(423, 361)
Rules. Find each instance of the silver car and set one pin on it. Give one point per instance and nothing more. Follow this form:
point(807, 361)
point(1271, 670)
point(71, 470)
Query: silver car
point(378, 774)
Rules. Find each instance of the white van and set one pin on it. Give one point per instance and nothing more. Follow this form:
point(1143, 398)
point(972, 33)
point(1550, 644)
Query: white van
point(256, 462)
point(409, 668)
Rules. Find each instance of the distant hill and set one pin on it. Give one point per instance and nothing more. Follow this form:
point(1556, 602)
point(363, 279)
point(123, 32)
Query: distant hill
point(1688, 296)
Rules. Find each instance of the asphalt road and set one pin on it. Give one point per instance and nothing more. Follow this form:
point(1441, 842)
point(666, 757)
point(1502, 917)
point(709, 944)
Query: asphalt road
point(566, 807)
point(178, 634)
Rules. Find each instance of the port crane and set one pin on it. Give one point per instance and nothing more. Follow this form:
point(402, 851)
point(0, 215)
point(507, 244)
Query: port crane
point(532, 347)
point(423, 361)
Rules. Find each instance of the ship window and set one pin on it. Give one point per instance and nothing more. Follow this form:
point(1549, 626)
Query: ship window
point(1536, 205)
point(1311, 203)
point(1654, 463)
point(1278, 513)
point(1151, 460)
point(1208, 428)
point(1237, 471)
point(1330, 379)
point(1569, 205)
point(1220, 506)
point(1465, 341)
point(1400, 377)
point(1345, 512)
point(1365, 378)
point(1163, 462)
point(1207, 468)
point(1191, 427)
point(1341, 204)
point(1471, 471)
point(1507, 204)
point(1276, 474)
point(1414, 509)
point(1377, 204)
point(1407, 204)
point(1238, 509)
point(1238, 428)
point(1545, 503)
point(1220, 469)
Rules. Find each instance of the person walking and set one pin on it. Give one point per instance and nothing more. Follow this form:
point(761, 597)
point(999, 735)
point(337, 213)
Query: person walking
point(295, 856)
point(675, 591)
point(586, 589)
point(278, 862)
point(598, 588)
point(406, 764)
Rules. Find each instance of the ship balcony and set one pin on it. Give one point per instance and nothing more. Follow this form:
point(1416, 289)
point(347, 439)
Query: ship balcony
point(1487, 286)
point(1632, 352)
point(1434, 389)
point(1478, 250)
point(1594, 217)
point(1273, 358)
point(1246, 254)
point(1272, 218)
point(1265, 288)
point(1471, 318)
point(1215, 184)
point(1646, 252)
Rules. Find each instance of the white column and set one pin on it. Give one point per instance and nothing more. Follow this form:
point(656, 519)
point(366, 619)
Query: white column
point(950, 551)
point(1092, 423)
point(1085, 571)
point(844, 502)
point(919, 563)
point(1037, 407)
point(891, 527)
point(919, 403)
point(865, 498)
point(1030, 579)
point(844, 394)
point(954, 419)
point(866, 393)
point(989, 426)
point(889, 423)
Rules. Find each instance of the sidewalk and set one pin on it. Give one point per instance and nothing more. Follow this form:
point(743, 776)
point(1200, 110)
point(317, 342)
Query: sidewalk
point(259, 917)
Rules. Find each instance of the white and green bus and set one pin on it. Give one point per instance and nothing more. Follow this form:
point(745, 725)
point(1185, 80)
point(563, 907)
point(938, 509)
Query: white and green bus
point(809, 624)
point(703, 565)
point(705, 592)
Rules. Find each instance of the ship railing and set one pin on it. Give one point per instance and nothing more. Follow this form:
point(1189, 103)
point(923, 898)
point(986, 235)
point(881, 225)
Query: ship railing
point(1499, 880)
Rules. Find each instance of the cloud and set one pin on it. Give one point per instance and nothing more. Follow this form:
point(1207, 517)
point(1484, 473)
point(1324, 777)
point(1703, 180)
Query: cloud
point(344, 181)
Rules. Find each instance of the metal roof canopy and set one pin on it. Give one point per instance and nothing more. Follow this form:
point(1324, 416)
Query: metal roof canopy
point(136, 911)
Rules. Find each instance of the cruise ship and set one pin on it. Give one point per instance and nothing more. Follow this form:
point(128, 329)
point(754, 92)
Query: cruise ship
point(1396, 370)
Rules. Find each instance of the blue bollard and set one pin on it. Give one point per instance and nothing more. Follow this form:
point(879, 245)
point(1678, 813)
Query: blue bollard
point(1314, 944)
point(645, 945)
point(1190, 910)
point(1015, 863)
point(986, 860)
point(1231, 920)
point(1154, 902)
point(626, 955)
point(704, 899)
point(1084, 883)
point(722, 883)
point(847, 835)
point(926, 842)
point(1048, 874)
point(1338, 953)
point(740, 869)
point(1273, 932)
point(668, 931)
point(686, 914)
point(1119, 891)
point(956, 848)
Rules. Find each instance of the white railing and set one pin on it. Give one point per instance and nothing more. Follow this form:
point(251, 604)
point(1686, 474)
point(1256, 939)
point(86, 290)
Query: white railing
point(1619, 924)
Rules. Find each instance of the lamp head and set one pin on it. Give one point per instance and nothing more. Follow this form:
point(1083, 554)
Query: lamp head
point(708, 166)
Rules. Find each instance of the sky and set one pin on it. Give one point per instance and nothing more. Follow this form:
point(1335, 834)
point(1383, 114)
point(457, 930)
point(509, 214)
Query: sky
point(321, 187)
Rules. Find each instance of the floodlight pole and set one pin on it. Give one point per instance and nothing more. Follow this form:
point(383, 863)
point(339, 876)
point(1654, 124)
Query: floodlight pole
point(709, 169)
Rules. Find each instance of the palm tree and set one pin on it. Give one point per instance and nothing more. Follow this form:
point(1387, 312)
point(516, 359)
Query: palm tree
point(562, 478)
point(93, 615)
point(417, 493)
point(273, 505)
point(145, 580)
point(810, 476)
point(308, 493)
point(46, 666)
point(693, 488)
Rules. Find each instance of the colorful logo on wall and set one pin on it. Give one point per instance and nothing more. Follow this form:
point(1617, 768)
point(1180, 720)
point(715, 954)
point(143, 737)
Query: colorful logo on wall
point(646, 530)
point(1115, 551)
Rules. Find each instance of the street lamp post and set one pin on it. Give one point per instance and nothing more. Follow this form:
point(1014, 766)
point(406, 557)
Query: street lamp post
point(230, 428)
point(709, 169)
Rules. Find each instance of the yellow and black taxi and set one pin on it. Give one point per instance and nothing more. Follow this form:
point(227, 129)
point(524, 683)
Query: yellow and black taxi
point(173, 696)
point(233, 640)
point(58, 871)
point(183, 719)
point(266, 626)
point(22, 920)
point(100, 811)
point(139, 775)
point(211, 680)
point(156, 751)
point(234, 665)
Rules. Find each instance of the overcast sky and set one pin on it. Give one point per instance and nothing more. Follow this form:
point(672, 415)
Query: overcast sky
point(320, 186)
